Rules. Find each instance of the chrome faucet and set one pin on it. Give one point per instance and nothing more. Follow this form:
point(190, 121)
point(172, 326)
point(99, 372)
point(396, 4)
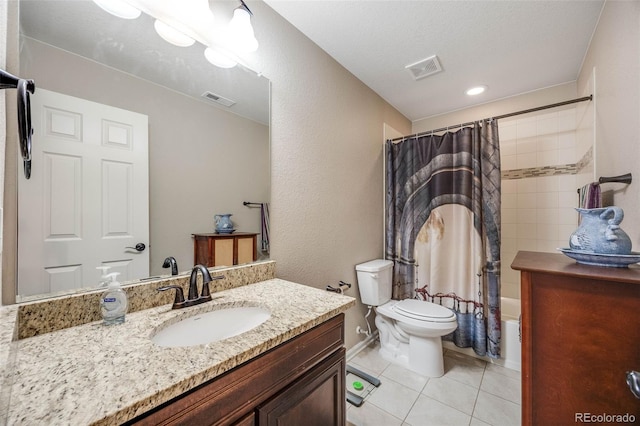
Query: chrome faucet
point(171, 262)
point(193, 298)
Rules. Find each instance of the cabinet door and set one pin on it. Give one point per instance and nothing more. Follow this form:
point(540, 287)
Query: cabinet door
point(317, 399)
point(246, 249)
point(580, 336)
point(223, 252)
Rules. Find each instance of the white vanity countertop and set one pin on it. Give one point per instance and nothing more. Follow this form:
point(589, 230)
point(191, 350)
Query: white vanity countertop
point(97, 374)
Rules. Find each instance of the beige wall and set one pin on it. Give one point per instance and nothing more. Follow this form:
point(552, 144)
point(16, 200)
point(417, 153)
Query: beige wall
point(326, 139)
point(202, 160)
point(614, 58)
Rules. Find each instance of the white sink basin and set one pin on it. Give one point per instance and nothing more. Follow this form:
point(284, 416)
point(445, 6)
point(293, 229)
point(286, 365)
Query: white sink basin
point(211, 326)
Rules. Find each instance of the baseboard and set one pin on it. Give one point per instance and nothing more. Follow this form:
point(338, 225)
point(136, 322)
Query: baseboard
point(355, 350)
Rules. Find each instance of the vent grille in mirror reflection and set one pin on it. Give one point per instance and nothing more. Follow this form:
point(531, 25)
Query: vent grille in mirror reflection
point(218, 99)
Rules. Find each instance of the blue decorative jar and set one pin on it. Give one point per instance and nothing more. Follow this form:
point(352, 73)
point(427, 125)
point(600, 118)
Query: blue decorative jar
point(600, 232)
point(223, 223)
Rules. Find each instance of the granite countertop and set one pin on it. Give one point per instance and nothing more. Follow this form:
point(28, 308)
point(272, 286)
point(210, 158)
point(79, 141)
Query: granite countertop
point(97, 374)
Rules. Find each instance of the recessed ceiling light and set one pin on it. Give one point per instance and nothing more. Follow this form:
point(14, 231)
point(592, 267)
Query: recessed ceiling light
point(476, 90)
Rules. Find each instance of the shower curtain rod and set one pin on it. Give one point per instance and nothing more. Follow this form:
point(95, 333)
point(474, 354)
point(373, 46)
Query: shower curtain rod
point(498, 117)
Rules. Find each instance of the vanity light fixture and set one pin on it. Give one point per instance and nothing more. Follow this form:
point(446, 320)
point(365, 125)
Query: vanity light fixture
point(184, 23)
point(119, 8)
point(171, 35)
point(219, 59)
point(240, 31)
point(476, 90)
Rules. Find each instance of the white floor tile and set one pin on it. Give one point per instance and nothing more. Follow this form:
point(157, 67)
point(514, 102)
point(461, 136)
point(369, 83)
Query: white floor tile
point(496, 411)
point(370, 415)
point(503, 386)
point(476, 422)
point(465, 358)
point(463, 371)
point(393, 398)
point(427, 411)
point(470, 387)
point(405, 377)
point(370, 359)
point(452, 393)
point(514, 374)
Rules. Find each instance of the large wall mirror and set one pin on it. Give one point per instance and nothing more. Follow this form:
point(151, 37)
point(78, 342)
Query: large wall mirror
point(204, 158)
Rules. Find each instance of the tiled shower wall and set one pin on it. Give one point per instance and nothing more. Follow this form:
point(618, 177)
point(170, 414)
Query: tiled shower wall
point(543, 165)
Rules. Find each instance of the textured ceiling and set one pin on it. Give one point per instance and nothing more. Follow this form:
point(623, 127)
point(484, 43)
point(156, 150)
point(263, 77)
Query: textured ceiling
point(512, 46)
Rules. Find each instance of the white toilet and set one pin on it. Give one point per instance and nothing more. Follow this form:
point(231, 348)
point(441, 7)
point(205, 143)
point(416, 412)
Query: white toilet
point(410, 330)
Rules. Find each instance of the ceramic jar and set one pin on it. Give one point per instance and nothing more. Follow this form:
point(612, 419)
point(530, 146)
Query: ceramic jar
point(223, 223)
point(600, 232)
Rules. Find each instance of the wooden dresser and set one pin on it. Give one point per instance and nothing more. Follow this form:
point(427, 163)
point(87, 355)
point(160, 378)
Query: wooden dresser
point(580, 335)
point(224, 249)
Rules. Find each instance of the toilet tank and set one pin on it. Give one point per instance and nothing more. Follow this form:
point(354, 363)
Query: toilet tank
point(375, 281)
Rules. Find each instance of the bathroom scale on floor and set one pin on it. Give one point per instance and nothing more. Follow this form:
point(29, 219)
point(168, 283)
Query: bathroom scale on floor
point(359, 385)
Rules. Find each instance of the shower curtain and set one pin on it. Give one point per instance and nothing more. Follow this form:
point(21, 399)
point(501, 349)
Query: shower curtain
point(443, 227)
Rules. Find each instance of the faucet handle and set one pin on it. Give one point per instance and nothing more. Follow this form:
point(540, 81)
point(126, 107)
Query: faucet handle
point(205, 285)
point(178, 302)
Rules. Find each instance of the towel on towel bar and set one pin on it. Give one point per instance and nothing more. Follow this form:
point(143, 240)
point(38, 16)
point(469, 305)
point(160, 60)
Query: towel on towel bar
point(264, 218)
point(590, 197)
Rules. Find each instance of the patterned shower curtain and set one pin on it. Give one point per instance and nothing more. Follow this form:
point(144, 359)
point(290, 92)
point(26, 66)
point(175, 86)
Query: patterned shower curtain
point(443, 227)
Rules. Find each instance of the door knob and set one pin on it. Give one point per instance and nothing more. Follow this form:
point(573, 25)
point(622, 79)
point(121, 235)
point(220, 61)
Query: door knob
point(633, 380)
point(138, 247)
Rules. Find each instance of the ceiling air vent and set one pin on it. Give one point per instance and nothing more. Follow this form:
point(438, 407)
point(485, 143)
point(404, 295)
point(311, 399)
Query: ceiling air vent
point(425, 67)
point(218, 99)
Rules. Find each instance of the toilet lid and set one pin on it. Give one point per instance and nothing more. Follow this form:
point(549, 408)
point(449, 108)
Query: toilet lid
point(426, 311)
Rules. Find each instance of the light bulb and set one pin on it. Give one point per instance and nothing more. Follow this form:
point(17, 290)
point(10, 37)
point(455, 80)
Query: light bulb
point(218, 59)
point(240, 32)
point(173, 36)
point(119, 8)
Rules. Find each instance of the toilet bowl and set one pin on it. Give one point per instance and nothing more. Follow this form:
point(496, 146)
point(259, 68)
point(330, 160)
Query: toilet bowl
point(413, 339)
point(410, 330)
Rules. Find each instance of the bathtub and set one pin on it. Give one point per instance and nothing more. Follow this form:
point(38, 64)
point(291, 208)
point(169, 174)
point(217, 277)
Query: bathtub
point(510, 338)
point(510, 341)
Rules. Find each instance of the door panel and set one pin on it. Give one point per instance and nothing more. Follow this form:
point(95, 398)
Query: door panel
point(87, 200)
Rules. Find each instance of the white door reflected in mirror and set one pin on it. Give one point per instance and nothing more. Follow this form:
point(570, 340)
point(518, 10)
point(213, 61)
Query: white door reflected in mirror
point(86, 204)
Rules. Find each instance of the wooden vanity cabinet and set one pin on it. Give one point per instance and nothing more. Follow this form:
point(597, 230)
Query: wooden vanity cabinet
point(580, 335)
point(300, 382)
point(224, 249)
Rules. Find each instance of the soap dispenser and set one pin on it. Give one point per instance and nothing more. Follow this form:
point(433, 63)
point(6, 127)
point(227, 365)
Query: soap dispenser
point(113, 302)
point(104, 276)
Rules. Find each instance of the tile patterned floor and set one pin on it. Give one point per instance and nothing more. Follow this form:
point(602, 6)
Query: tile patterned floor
point(471, 392)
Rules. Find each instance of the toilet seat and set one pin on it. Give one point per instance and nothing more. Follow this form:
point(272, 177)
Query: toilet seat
point(423, 311)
